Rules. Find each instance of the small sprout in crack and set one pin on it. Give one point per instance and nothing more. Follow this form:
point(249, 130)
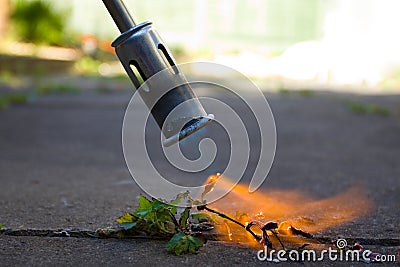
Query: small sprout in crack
point(157, 218)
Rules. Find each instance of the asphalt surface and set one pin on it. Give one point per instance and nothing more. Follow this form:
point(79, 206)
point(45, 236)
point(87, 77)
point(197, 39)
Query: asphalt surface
point(62, 167)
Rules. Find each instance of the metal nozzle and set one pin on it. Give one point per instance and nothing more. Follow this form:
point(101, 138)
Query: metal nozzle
point(188, 129)
point(120, 14)
point(140, 48)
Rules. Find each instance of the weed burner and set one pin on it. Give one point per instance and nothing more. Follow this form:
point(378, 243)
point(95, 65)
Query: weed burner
point(143, 54)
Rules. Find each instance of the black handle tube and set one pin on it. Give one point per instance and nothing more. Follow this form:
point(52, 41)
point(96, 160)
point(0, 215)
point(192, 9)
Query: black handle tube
point(120, 14)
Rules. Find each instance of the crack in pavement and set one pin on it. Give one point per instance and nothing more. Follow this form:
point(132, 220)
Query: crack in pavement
point(77, 233)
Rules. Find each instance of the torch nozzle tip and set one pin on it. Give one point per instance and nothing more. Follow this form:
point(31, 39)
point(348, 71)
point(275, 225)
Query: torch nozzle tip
point(189, 129)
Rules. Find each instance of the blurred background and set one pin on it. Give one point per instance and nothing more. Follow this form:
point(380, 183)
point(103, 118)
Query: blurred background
point(326, 44)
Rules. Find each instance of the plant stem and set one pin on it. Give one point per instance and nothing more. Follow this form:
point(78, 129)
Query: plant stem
point(224, 216)
point(232, 220)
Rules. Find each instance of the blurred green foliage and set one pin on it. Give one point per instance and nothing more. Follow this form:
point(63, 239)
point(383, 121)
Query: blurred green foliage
point(16, 98)
point(302, 92)
point(87, 65)
point(8, 78)
point(306, 92)
point(360, 108)
point(57, 89)
point(37, 22)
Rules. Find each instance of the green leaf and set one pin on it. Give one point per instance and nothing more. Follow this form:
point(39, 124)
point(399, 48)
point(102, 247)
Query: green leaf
point(144, 203)
point(1, 226)
point(127, 226)
point(175, 244)
point(200, 215)
point(126, 218)
point(142, 213)
point(181, 243)
point(172, 209)
point(179, 198)
point(145, 207)
point(163, 221)
point(184, 218)
point(157, 204)
point(194, 244)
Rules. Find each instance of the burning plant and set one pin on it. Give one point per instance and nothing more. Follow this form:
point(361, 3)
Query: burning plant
point(187, 227)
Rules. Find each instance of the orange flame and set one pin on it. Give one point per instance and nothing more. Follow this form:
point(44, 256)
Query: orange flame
point(291, 207)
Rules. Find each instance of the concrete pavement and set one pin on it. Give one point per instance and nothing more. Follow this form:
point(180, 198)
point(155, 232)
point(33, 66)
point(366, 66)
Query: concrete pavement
point(61, 167)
